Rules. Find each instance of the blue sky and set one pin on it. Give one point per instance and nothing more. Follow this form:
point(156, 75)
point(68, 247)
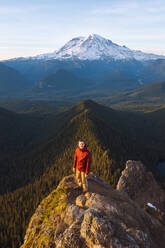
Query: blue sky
point(33, 27)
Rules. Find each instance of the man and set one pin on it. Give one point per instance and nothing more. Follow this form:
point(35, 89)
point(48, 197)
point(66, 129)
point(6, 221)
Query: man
point(81, 165)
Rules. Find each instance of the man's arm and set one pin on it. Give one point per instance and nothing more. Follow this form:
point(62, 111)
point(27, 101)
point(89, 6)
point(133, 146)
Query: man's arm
point(75, 160)
point(88, 163)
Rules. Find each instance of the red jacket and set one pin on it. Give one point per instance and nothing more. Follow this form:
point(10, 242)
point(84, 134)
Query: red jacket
point(82, 159)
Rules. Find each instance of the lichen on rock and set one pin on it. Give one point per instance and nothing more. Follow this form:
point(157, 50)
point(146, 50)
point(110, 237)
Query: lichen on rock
point(40, 232)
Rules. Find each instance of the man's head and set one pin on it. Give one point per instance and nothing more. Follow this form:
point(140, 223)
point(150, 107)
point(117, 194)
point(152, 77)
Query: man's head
point(81, 144)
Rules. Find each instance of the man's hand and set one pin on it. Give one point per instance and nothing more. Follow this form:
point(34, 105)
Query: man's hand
point(86, 175)
point(74, 170)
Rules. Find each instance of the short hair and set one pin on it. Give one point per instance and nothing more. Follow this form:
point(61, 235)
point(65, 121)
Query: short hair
point(81, 141)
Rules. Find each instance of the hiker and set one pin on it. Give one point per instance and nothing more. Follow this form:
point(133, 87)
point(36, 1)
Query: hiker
point(81, 165)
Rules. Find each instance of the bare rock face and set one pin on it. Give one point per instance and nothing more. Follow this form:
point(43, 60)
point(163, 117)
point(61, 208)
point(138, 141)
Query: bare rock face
point(141, 186)
point(100, 218)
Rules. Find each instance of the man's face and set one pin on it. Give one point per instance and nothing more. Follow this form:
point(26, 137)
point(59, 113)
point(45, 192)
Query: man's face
point(81, 144)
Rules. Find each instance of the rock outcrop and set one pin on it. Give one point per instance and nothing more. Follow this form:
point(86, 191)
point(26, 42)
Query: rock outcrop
point(141, 186)
point(100, 218)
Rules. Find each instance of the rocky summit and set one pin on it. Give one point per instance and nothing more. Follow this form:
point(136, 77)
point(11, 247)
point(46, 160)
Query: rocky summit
point(140, 185)
point(100, 218)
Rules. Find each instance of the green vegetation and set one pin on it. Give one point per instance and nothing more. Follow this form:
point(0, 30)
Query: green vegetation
point(53, 204)
point(147, 98)
point(112, 137)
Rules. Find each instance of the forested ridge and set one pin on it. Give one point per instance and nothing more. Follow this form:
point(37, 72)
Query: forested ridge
point(110, 139)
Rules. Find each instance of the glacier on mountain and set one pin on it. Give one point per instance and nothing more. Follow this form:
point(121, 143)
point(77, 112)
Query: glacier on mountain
point(95, 47)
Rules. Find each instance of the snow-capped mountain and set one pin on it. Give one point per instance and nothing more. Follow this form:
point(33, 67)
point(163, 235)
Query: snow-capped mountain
point(94, 58)
point(95, 47)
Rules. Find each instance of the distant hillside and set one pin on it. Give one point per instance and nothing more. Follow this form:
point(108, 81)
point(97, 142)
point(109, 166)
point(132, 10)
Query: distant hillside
point(149, 97)
point(19, 135)
point(61, 80)
point(119, 80)
point(16, 131)
point(34, 106)
point(150, 91)
point(11, 81)
point(61, 85)
point(154, 72)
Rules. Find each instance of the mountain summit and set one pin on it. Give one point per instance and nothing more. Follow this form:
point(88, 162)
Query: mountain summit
point(94, 47)
point(102, 217)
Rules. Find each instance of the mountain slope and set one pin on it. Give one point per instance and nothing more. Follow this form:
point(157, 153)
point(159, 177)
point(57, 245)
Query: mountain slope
point(27, 106)
point(63, 80)
point(119, 80)
point(11, 80)
point(122, 135)
point(154, 72)
point(35, 174)
point(152, 90)
point(148, 97)
point(18, 132)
